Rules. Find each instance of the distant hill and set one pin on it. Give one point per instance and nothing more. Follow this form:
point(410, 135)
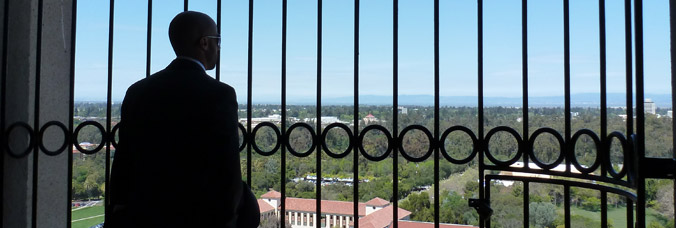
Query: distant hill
point(577, 100)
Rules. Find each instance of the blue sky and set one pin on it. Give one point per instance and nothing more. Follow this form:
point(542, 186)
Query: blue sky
point(458, 47)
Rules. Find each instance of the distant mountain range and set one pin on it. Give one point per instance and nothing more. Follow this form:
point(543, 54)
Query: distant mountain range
point(577, 100)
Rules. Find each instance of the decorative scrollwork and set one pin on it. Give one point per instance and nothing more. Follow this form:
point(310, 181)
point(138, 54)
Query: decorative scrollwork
point(66, 136)
point(252, 139)
point(313, 137)
point(31, 140)
point(349, 135)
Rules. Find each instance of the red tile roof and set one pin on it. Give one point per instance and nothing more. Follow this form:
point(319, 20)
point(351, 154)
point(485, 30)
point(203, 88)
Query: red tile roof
point(378, 202)
point(328, 206)
point(381, 218)
point(272, 195)
point(264, 207)
point(416, 224)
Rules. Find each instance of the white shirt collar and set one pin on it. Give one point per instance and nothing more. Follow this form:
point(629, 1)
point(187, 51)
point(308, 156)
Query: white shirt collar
point(194, 60)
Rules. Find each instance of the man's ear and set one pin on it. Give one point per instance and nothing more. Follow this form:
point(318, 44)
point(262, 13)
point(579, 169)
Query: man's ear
point(204, 43)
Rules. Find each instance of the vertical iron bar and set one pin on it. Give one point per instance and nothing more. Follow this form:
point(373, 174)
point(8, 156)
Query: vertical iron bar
point(487, 223)
point(480, 104)
point(630, 212)
point(566, 205)
point(602, 73)
point(672, 31)
point(566, 81)
point(355, 135)
point(604, 208)
point(436, 115)
point(284, 133)
point(524, 78)
point(248, 95)
point(36, 127)
point(640, 115)
point(109, 93)
point(71, 96)
point(526, 208)
point(185, 5)
point(628, 55)
point(395, 115)
point(218, 26)
point(524, 91)
point(149, 34)
point(318, 200)
point(3, 98)
point(605, 151)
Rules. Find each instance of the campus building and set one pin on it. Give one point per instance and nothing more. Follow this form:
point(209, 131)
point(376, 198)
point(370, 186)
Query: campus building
point(302, 213)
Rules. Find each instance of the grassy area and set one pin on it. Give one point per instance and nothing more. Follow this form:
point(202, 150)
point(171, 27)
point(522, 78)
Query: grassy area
point(85, 213)
point(617, 215)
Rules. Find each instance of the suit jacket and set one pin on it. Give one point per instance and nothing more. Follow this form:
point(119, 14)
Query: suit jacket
point(177, 161)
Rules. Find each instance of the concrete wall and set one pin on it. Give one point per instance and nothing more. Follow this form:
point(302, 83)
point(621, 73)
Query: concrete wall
point(54, 99)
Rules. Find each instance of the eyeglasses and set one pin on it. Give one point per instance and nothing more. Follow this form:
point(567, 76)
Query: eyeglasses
point(215, 37)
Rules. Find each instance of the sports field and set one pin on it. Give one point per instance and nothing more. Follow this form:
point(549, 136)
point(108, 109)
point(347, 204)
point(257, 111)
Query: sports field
point(87, 217)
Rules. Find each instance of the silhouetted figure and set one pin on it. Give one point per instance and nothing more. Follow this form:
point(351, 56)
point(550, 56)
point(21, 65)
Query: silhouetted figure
point(177, 162)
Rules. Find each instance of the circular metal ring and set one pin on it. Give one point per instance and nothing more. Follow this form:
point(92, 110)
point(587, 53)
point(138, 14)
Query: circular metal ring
point(63, 146)
point(389, 142)
point(244, 137)
point(31, 141)
point(519, 142)
point(253, 138)
point(625, 151)
point(475, 143)
point(112, 134)
point(77, 131)
point(531, 149)
point(429, 137)
point(349, 136)
point(313, 136)
point(597, 143)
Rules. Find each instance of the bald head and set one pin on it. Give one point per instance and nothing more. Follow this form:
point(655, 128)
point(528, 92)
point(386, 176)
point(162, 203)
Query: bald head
point(192, 34)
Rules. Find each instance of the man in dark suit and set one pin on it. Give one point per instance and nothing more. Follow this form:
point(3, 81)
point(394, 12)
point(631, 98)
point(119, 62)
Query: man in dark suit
point(177, 162)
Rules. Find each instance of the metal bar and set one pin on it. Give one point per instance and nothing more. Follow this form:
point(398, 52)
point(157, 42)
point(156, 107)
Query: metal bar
point(185, 5)
point(319, 110)
point(604, 209)
point(36, 126)
point(566, 81)
point(524, 77)
point(395, 116)
point(487, 222)
point(248, 94)
point(609, 180)
point(284, 134)
point(355, 146)
point(630, 212)
point(480, 105)
point(218, 26)
point(672, 33)
point(71, 103)
point(566, 183)
point(640, 115)
point(149, 35)
point(436, 115)
point(566, 205)
point(3, 100)
point(604, 115)
point(526, 202)
point(628, 55)
point(109, 101)
point(602, 73)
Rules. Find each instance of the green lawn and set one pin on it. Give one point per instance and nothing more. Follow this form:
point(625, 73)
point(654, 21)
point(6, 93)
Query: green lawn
point(617, 215)
point(85, 213)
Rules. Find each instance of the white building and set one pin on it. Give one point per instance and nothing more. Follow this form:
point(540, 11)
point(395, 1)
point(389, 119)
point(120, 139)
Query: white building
point(649, 107)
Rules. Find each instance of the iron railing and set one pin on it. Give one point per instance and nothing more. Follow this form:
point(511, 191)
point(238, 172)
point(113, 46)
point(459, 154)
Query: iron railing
point(631, 176)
